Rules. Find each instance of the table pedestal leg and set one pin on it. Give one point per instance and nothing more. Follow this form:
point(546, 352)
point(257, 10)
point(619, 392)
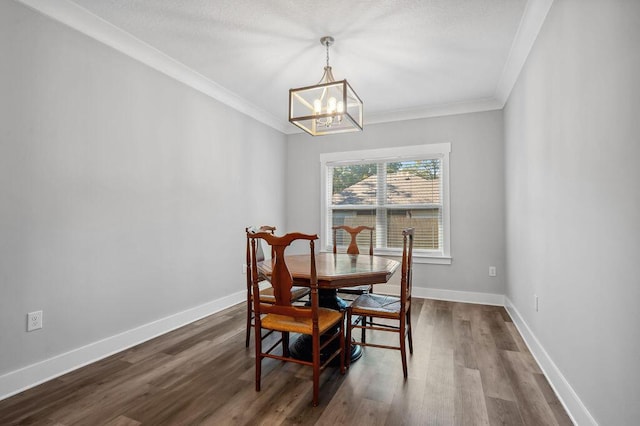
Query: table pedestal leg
point(301, 347)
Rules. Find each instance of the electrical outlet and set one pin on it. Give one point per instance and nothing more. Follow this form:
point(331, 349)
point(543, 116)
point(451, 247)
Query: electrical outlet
point(244, 268)
point(536, 302)
point(34, 320)
point(492, 271)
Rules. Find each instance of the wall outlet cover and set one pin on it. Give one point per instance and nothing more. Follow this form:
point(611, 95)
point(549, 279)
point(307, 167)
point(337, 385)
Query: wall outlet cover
point(34, 320)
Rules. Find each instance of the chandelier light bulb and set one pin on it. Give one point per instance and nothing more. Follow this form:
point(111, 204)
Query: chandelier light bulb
point(331, 106)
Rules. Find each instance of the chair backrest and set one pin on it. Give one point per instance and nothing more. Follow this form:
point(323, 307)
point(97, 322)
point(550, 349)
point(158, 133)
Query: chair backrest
point(353, 245)
point(407, 266)
point(259, 256)
point(281, 279)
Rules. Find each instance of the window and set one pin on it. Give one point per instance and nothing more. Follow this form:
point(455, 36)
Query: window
point(390, 189)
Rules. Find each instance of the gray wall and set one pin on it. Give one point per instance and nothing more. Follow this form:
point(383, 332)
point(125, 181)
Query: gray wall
point(573, 200)
point(123, 193)
point(477, 190)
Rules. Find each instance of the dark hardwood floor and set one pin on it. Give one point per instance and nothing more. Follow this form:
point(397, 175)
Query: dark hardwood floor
point(469, 367)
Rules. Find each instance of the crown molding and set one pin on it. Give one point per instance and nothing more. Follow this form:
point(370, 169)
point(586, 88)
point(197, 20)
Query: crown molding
point(533, 17)
point(478, 105)
point(80, 19)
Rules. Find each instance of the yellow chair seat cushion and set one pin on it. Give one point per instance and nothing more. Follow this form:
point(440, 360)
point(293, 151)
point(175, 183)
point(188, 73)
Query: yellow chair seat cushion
point(266, 295)
point(326, 319)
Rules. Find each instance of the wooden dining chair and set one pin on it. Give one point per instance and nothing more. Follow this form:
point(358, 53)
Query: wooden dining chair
point(266, 294)
point(353, 249)
point(282, 316)
point(388, 308)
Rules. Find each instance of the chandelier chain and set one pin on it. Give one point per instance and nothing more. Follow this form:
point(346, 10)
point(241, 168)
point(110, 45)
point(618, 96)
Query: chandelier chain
point(327, 46)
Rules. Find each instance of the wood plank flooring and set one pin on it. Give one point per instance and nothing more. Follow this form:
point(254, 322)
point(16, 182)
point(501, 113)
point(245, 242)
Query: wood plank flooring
point(469, 367)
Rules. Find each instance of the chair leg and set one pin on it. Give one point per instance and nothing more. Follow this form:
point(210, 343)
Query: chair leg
point(316, 369)
point(403, 349)
point(347, 353)
point(409, 331)
point(249, 317)
point(363, 337)
point(285, 343)
point(343, 352)
point(258, 345)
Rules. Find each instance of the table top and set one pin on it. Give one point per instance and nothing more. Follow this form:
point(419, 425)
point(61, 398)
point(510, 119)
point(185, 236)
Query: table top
point(338, 270)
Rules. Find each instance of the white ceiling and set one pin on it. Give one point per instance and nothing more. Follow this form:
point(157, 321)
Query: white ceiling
point(404, 58)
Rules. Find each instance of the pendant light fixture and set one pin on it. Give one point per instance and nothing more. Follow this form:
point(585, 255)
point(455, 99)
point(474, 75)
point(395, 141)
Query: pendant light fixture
point(328, 107)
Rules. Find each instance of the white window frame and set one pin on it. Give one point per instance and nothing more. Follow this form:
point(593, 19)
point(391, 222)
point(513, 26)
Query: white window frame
point(406, 153)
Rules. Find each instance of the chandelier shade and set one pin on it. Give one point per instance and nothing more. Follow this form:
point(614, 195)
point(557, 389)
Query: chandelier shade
point(328, 107)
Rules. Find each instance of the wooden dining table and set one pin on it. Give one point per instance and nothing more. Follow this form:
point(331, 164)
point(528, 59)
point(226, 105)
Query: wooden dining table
point(334, 271)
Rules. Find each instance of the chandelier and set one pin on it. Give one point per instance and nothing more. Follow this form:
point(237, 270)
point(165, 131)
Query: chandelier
point(328, 107)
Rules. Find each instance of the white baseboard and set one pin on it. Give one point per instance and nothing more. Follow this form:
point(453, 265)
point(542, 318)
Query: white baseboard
point(19, 380)
point(32, 375)
point(567, 396)
point(448, 295)
point(459, 296)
